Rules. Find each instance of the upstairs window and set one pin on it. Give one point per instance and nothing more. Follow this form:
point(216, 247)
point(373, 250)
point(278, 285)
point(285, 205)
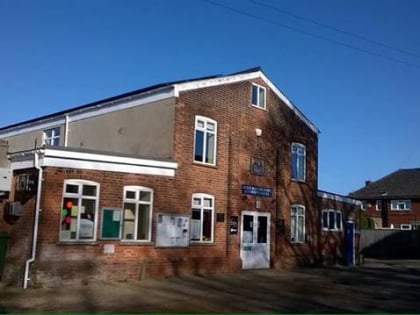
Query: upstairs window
point(378, 205)
point(52, 136)
point(332, 220)
point(298, 162)
point(79, 210)
point(400, 205)
point(202, 218)
point(258, 96)
point(205, 140)
point(297, 224)
point(137, 213)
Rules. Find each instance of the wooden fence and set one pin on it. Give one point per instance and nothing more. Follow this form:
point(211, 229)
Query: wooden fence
point(384, 243)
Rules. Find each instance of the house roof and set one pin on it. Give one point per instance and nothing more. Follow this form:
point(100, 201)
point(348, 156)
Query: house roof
point(403, 183)
point(147, 94)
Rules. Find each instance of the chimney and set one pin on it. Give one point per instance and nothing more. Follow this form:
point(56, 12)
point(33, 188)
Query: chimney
point(367, 182)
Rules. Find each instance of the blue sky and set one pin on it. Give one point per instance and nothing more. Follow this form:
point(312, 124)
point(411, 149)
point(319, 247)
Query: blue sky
point(364, 97)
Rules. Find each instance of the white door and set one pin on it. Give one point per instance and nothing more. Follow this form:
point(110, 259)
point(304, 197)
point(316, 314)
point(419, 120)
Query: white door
point(255, 240)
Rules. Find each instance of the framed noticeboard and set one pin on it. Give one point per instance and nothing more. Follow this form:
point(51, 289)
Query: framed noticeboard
point(172, 230)
point(111, 223)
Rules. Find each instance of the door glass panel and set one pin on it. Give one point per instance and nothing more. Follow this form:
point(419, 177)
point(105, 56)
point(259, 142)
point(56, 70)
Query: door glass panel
point(262, 230)
point(248, 221)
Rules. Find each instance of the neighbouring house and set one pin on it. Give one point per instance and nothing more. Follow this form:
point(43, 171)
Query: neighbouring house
point(204, 175)
point(392, 201)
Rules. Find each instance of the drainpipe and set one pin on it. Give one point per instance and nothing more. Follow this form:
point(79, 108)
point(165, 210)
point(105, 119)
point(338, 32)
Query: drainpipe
point(36, 221)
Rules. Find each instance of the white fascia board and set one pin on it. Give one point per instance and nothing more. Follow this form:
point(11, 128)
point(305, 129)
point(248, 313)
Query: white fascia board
point(104, 166)
point(73, 155)
point(243, 77)
point(100, 162)
point(91, 111)
point(334, 197)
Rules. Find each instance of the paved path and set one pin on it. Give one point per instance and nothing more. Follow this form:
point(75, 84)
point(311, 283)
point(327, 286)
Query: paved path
point(377, 286)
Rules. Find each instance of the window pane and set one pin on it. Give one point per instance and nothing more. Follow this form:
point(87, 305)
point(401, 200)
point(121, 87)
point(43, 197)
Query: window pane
point(300, 231)
point(130, 195)
point(294, 166)
point(248, 229)
point(262, 230)
point(129, 217)
point(200, 124)
point(145, 195)
point(89, 190)
point(262, 98)
point(211, 126)
point(199, 146)
point(210, 148)
point(196, 225)
point(69, 217)
point(325, 219)
point(207, 225)
point(196, 201)
point(301, 167)
point(331, 224)
point(143, 222)
point(72, 189)
point(207, 202)
point(254, 95)
point(338, 220)
point(87, 219)
point(293, 228)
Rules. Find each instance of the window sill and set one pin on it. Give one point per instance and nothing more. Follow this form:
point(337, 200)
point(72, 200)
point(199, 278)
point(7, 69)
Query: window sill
point(197, 243)
point(136, 243)
point(205, 164)
point(258, 107)
point(78, 243)
point(298, 180)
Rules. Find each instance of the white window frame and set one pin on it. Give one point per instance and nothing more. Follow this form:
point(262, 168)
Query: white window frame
point(258, 89)
point(202, 196)
point(206, 132)
point(294, 213)
point(395, 205)
point(52, 136)
point(136, 201)
point(326, 224)
point(79, 196)
point(294, 149)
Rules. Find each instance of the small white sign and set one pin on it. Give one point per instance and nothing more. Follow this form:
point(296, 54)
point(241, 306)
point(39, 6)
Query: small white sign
point(109, 249)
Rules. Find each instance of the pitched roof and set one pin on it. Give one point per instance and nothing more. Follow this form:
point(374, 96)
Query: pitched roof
point(164, 89)
point(403, 183)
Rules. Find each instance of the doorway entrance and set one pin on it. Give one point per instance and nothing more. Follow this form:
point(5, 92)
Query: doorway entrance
point(255, 240)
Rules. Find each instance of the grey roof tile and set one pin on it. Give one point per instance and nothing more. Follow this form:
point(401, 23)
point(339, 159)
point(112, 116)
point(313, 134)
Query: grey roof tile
point(403, 183)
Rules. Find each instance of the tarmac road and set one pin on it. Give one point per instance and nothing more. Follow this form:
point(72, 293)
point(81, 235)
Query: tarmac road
point(377, 286)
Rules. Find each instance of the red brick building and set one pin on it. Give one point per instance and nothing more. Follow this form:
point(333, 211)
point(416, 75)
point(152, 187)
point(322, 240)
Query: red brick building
point(205, 175)
point(392, 201)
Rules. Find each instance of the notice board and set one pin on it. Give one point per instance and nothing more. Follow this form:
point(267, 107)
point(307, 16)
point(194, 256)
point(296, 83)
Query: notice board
point(111, 223)
point(172, 230)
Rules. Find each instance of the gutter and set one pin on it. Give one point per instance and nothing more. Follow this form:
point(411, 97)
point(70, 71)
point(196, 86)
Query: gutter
point(36, 221)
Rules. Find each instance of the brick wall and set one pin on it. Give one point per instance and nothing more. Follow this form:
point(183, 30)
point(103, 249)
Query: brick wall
point(229, 105)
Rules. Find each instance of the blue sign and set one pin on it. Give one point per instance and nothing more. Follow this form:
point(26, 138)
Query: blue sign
point(256, 191)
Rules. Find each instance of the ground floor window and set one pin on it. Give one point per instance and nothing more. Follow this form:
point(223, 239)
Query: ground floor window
point(137, 213)
point(297, 224)
point(79, 210)
point(332, 220)
point(202, 218)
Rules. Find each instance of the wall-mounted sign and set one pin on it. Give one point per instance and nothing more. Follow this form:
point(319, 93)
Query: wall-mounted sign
point(257, 191)
point(233, 225)
point(172, 230)
point(257, 166)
